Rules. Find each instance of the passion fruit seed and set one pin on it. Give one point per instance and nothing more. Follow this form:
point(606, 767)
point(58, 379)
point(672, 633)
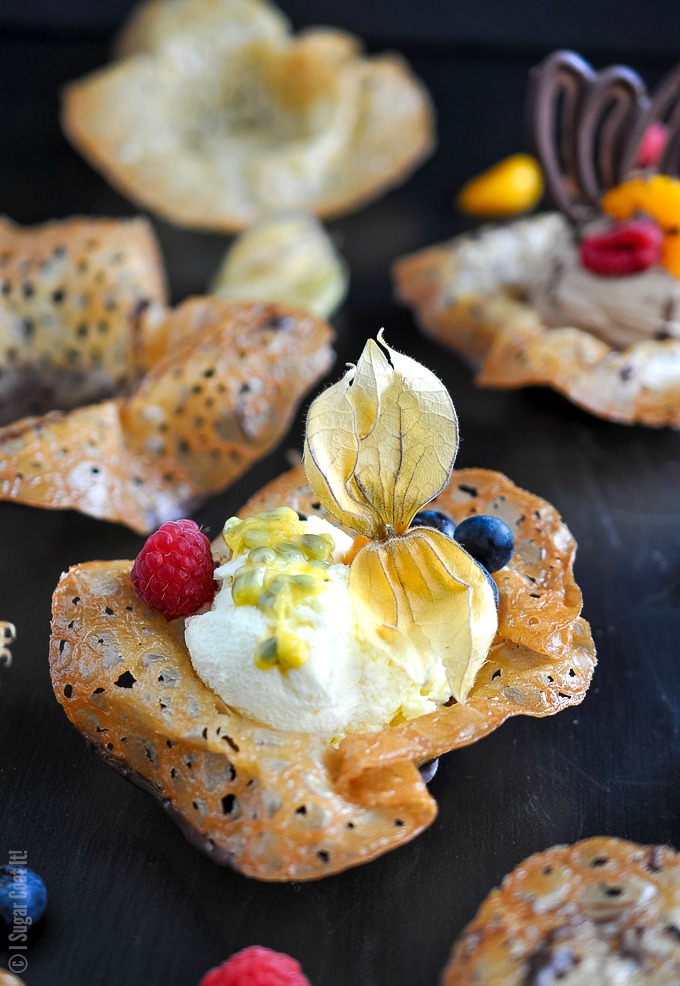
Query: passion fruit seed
point(285, 566)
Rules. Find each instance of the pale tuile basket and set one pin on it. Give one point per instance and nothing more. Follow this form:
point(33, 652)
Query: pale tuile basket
point(189, 397)
point(165, 123)
point(286, 806)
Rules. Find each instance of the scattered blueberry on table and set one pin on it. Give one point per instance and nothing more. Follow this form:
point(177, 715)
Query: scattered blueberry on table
point(22, 892)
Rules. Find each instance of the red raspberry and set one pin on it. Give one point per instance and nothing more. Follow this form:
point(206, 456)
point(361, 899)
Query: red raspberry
point(257, 966)
point(173, 572)
point(627, 249)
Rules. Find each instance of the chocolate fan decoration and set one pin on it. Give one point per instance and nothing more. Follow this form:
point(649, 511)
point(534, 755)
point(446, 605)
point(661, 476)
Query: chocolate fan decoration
point(588, 126)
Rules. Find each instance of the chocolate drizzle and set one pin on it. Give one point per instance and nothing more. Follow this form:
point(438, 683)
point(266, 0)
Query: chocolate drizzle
point(549, 964)
point(668, 314)
point(588, 127)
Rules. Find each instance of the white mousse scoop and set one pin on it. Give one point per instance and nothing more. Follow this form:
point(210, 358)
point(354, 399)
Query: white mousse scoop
point(619, 310)
point(346, 684)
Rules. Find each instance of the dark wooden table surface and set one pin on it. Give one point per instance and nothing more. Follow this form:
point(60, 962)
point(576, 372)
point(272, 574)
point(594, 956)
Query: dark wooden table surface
point(130, 901)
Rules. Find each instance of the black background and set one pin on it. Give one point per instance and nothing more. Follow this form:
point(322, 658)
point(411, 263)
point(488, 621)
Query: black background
point(614, 26)
point(130, 901)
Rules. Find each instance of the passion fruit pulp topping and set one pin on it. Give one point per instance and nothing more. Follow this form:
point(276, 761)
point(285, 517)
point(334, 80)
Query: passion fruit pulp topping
point(285, 565)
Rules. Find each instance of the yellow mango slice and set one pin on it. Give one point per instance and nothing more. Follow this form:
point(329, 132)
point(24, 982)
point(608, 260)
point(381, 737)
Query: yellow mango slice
point(512, 186)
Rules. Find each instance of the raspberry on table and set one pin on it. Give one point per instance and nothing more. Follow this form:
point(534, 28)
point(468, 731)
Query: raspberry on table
point(257, 966)
point(173, 573)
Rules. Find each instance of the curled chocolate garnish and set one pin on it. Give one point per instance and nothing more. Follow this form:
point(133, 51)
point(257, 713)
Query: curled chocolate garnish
point(588, 127)
point(580, 121)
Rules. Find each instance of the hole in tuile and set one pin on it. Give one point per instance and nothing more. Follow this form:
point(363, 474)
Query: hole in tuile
point(125, 680)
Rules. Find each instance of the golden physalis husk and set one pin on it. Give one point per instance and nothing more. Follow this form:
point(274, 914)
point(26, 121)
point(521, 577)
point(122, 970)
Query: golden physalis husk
point(216, 114)
point(379, 445)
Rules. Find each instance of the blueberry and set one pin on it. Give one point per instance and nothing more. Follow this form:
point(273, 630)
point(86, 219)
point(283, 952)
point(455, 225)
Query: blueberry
point(428, 769)
point(494, 587)
point(488, 539)
point(22, 895)
point(436, 519)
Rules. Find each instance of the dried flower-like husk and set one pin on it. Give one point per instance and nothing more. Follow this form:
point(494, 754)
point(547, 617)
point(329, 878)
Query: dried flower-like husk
point(225, 381)
point(284, 806)
point(427, 600)
point(539, 596)
point(476, 311)
point(371, 460)
point(601, 910)
point(217, 115)
point(369, 453)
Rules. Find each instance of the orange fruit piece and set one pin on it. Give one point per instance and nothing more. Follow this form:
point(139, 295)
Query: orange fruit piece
point(512, 186)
